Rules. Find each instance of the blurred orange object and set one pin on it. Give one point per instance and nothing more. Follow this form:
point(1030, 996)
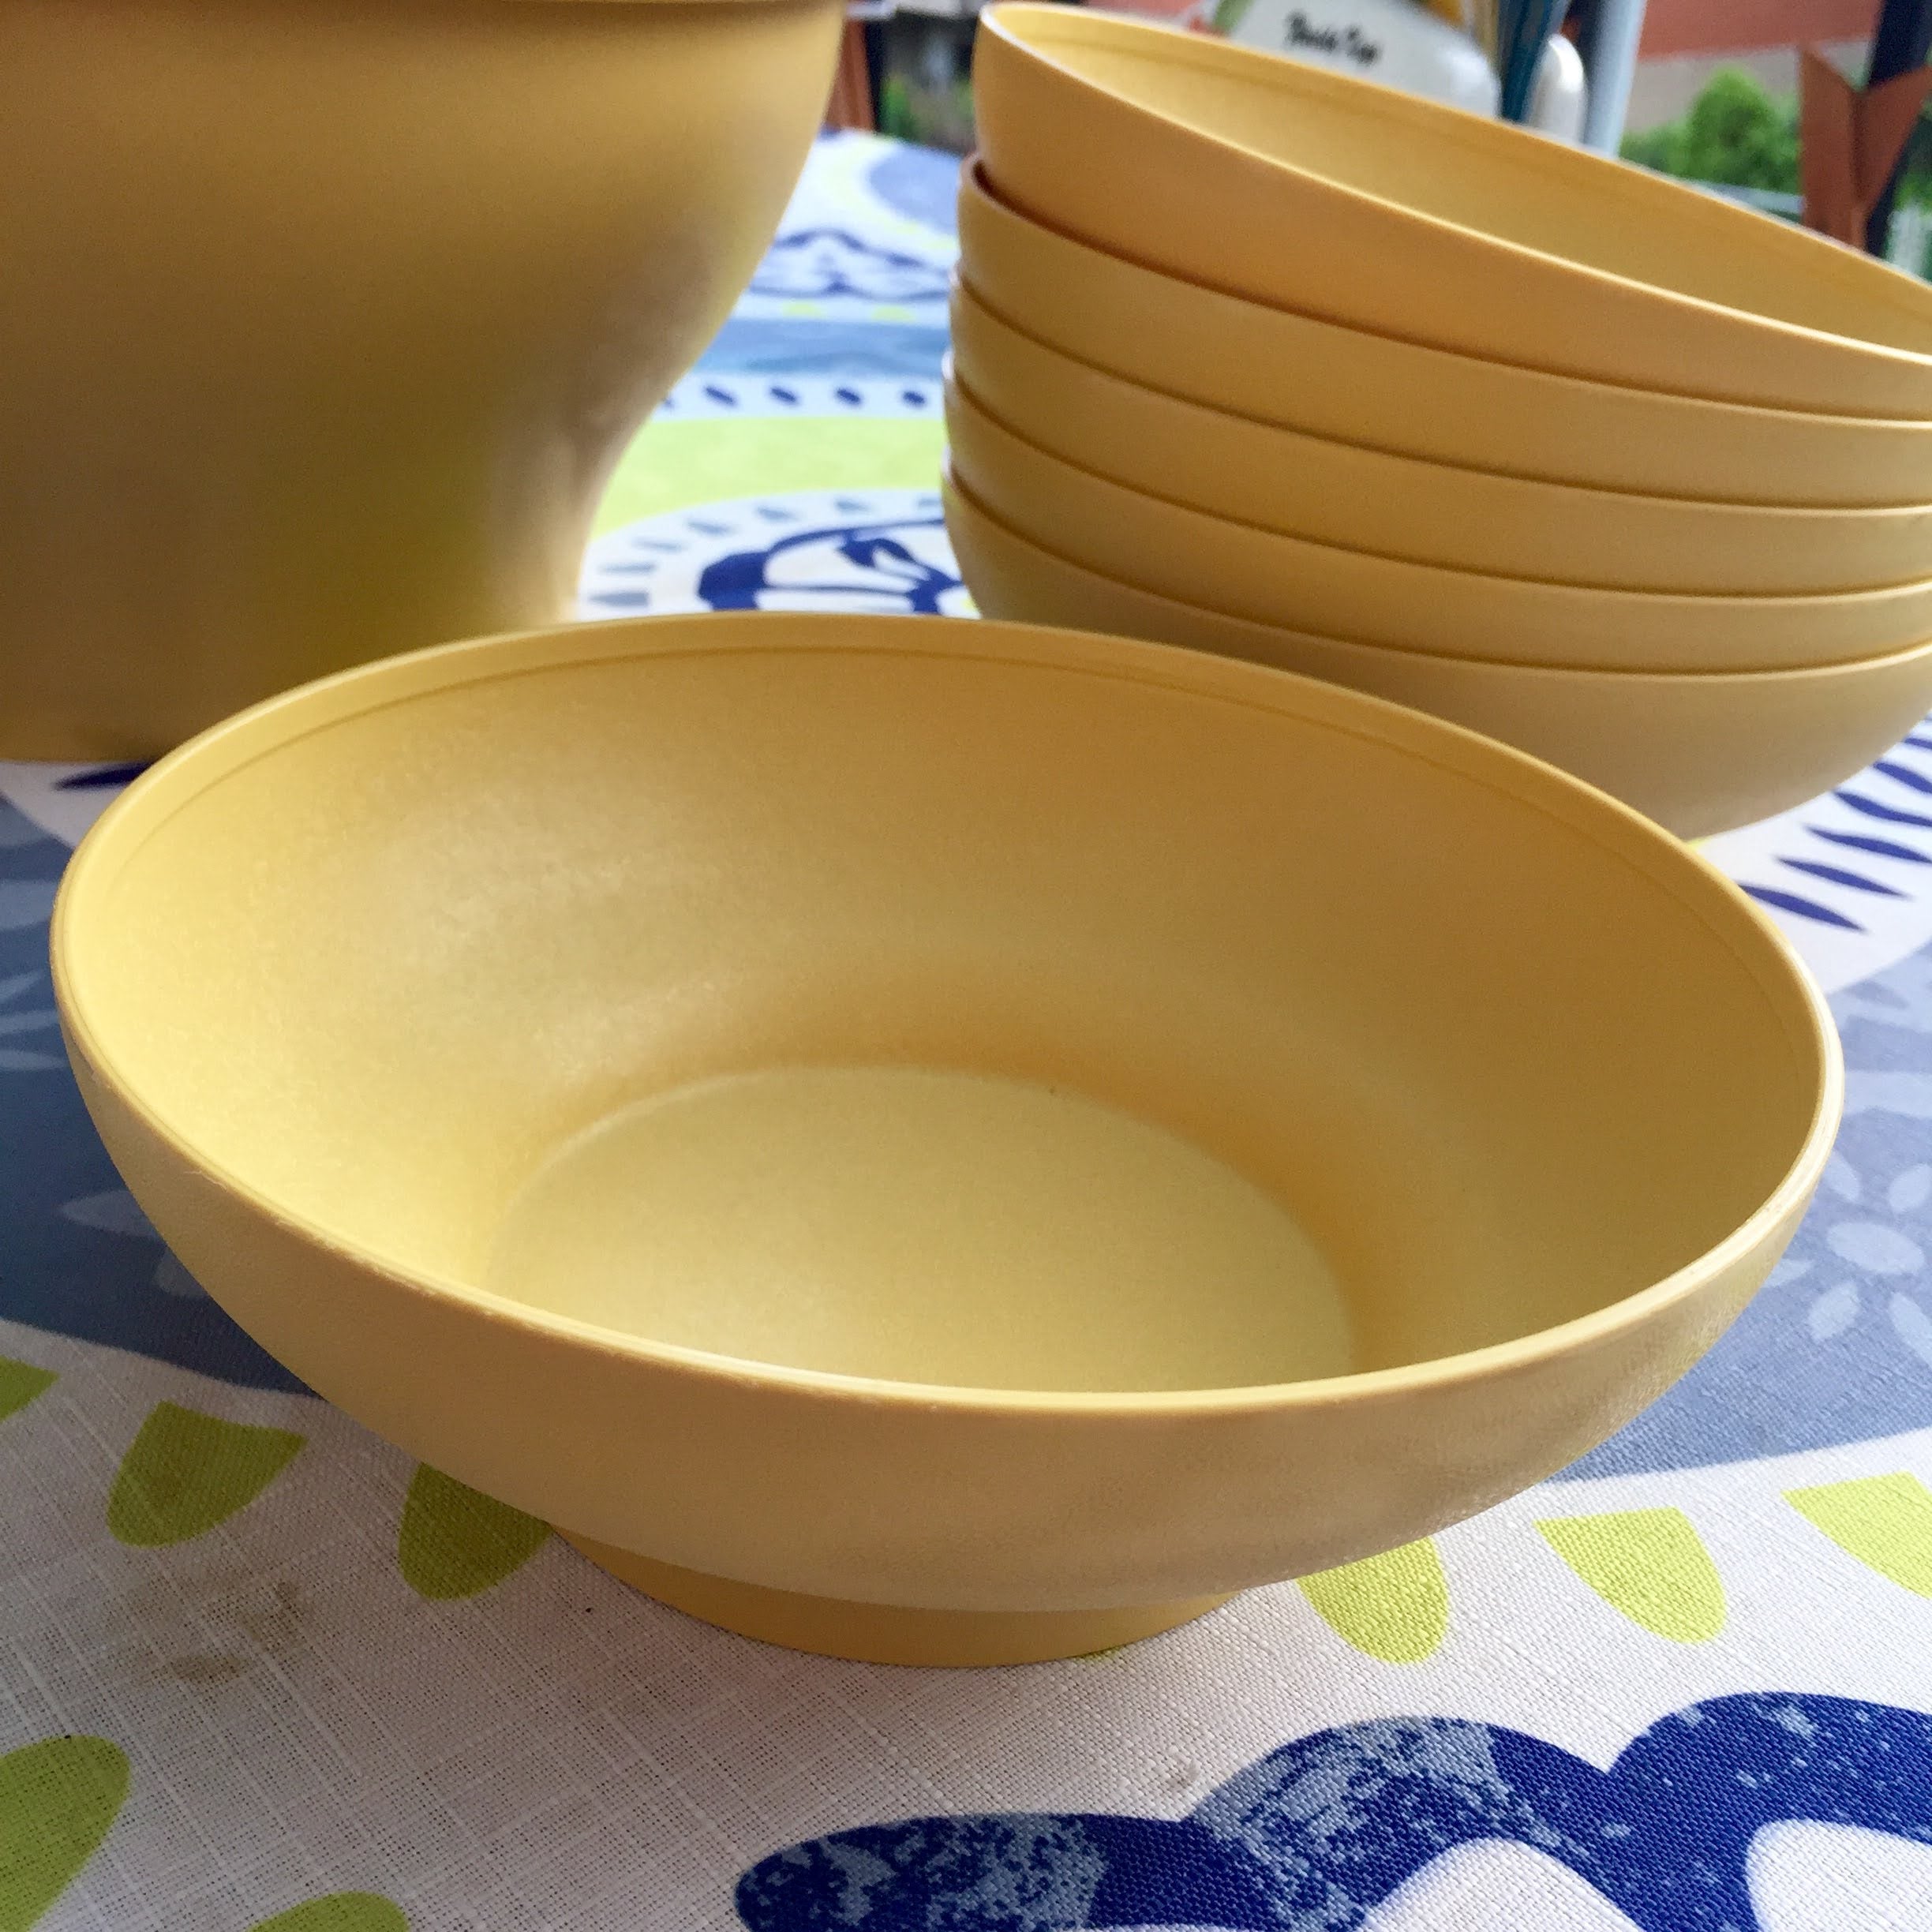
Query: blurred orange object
point(851, 105)
point(1851, 140)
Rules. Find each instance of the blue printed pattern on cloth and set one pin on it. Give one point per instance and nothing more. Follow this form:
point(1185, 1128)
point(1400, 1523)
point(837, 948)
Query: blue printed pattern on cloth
point(1319, 1832)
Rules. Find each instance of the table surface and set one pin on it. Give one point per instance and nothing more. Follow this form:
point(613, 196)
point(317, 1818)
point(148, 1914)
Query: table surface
point(256, 1667)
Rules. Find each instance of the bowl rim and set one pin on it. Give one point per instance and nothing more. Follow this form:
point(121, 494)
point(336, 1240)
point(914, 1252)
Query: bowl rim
point(963, 297)
point(959, 394)
point(977, 190)
point(1016, 24)
point(1765, 958)
point(953, 483)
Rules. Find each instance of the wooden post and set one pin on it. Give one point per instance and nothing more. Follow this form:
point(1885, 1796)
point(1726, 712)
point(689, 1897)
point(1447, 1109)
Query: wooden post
point(851, 86)
point(1849, 141)
point(1901, 41)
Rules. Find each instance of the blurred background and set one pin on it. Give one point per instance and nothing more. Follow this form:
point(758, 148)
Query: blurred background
point(1705, 90)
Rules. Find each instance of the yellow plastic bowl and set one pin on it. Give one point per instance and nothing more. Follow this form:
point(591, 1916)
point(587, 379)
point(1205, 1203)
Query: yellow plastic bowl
point(1317, 192)
point(1337, 492)
point(1315, 376)
point(940, 1141)
point(1251, 572)
point(1698, 754)
point(322, 322)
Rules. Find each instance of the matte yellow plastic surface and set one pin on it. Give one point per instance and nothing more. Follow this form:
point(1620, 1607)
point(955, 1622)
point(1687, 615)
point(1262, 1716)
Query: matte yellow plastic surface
point(1317, 377)
point(1698, 754)
point(1250, 572)
point(1337, 492)
point(322, 321)
point(646, 1213)
point(1312, 191)
point(353, 980)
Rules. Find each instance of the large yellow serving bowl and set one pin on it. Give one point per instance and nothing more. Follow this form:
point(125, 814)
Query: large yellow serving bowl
point(322, 322)
point(1339, 492)
point(1315, 192)
point(1306, 374)
point(1698, 753)
point(1221, 564)
point(939, 1141)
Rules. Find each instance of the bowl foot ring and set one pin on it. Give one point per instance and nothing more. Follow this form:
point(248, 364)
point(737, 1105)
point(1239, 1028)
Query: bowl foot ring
point(878, 1632)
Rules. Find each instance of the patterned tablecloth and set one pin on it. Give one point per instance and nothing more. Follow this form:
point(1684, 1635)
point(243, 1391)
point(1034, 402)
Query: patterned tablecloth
point(258, 1669)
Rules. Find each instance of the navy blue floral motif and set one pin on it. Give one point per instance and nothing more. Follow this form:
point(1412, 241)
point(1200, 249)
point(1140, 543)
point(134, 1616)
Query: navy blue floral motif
point(873, 567)
point(1315, 1835)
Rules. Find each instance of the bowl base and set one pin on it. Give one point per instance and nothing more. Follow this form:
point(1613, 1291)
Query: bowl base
point(777, 1214)
point(880, 1634)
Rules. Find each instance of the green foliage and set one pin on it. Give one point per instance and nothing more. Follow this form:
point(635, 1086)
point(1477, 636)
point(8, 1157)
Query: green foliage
point(925, 93)
point(1739, 134)
point(1654, 147)
point(1735, 132)
point(895, 109)
point(942, 118)
point(1915, 184)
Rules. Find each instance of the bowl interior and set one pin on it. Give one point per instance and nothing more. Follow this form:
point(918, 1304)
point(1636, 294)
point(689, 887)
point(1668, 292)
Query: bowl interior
point(1482, 175)
point(982, 1007)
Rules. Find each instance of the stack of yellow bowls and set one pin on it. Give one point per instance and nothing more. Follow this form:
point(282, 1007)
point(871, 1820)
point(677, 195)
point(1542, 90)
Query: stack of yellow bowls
point(1271, 363)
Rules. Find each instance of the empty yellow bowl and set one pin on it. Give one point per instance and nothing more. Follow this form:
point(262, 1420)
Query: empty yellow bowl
point(322, 322)
point(1335, 592)
point(1699, 754)
point(1313, 191)
point(1338, 492)
point(937, 1141)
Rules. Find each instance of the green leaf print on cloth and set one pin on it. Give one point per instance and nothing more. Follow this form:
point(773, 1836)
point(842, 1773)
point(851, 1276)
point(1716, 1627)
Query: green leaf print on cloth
point(455, 1541)
point(186, 1471)
point(58, 1798)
